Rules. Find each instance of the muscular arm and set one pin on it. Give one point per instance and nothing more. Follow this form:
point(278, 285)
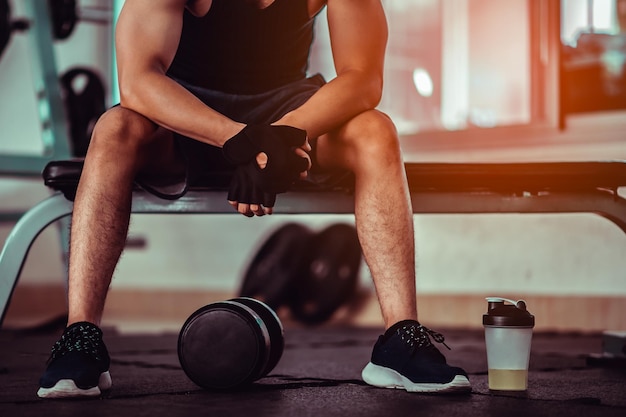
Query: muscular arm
point(147, 36)
point(358, 34)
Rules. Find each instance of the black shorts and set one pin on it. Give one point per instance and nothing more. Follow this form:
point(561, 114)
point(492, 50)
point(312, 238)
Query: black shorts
point(203, 160)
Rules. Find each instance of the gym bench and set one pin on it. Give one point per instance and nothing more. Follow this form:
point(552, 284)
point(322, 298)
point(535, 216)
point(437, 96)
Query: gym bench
point(539, 187)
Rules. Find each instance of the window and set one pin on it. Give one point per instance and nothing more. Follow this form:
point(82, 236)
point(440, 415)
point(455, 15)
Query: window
point(593, 34)
point(463, 64)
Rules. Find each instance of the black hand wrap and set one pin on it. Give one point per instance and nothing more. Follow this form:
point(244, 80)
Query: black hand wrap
point(252, 184)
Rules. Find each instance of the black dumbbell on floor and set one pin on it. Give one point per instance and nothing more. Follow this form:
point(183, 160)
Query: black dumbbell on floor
point(230, 344)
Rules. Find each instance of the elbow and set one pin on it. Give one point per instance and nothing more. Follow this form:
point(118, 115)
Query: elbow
point(373, 92)
point(137, 91)
point(133, 92)
point(129, 97)
point(366, 87)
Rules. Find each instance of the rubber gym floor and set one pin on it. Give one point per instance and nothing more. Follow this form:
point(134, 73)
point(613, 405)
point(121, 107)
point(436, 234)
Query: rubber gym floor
point(318, 375)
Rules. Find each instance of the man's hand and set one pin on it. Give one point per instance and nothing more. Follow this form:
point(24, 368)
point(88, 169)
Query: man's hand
point(278, 143)
point(268, 159)
point(247, 198)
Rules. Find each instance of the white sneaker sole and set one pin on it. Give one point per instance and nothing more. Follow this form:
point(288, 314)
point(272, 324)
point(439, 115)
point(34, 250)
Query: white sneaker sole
point(382, 377)
point(66, 388)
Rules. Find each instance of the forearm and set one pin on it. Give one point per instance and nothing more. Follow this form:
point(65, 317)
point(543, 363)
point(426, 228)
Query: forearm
point(358, 32)
point(170, 105)
point(346, 96)
point(147, 37)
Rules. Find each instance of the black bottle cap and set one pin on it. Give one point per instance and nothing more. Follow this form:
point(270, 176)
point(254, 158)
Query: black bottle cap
point(513, 314)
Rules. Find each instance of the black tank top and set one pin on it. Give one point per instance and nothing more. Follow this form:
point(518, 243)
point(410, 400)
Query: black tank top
point(238, 48)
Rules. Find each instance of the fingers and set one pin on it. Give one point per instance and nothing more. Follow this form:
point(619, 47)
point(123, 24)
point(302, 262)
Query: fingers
point(299, 163)
point(257, 209)
point(245, 208)
point(269, 200)
point(301, 153)
point(241, 208)
point(250, 210)
point(247, 198)
point(307, 145)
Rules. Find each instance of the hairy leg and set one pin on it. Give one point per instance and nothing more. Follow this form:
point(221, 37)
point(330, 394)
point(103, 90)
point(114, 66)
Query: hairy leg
point(123, 144)
point(368, 146)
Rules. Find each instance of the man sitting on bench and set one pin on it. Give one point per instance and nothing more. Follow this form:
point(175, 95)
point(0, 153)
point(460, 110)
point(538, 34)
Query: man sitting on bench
point(221, 84)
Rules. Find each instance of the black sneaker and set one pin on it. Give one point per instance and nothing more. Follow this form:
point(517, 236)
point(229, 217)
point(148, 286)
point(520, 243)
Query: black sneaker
point(404, 357)
point(78, 365)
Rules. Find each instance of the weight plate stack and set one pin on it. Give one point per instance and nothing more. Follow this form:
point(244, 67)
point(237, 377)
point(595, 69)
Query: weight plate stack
point(276, 267)
point(330, 274)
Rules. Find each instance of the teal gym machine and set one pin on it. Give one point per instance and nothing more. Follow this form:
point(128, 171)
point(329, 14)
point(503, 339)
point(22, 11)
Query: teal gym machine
point(54, 127)
point(43, 22)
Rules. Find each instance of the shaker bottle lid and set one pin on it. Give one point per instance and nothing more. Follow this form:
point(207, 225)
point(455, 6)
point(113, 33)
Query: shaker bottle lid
point(512, 314)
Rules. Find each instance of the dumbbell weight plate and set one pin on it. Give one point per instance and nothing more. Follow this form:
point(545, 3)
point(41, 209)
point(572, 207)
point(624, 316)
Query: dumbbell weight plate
point(274, 270)
point(64, 17)
point(274, 328)
point(330, 272)
point(5, 24)
point(84, 98)
point(224, 345)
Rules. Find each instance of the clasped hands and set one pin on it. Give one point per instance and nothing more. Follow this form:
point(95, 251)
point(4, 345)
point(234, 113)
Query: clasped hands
point(268, 159)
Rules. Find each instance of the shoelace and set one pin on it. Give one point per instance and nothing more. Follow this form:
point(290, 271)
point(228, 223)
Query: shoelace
point(419, 336)
point(80, 338)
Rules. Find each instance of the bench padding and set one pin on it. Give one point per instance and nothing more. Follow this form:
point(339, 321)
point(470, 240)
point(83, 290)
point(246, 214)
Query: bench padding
point(531, 177)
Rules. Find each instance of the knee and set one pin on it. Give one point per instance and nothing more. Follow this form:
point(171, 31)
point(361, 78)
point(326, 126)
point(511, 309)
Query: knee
point(121, 130)
point(372, 137)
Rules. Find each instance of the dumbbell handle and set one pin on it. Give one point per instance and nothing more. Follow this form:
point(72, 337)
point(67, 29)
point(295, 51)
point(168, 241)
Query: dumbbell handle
point(95, 15)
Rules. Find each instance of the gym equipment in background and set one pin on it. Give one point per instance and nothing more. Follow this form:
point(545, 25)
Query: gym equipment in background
point(312, 273)
point(330, 274)
point(276, 267)
point(84, 97)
